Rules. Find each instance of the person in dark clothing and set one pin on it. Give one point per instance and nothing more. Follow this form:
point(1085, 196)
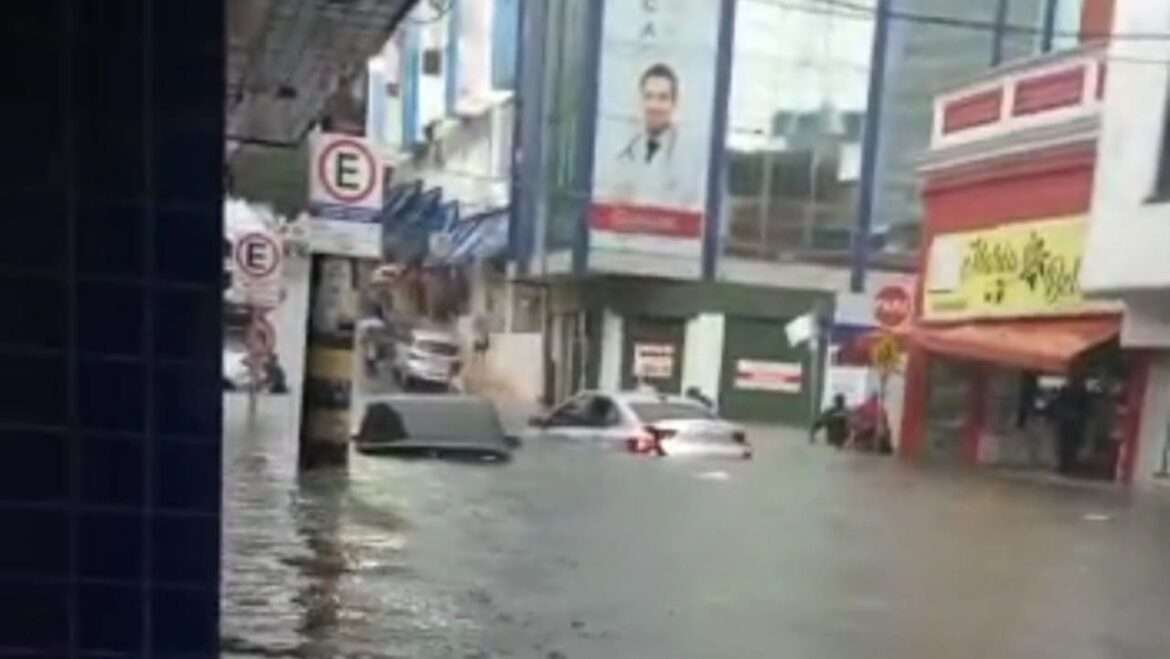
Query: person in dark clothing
point(835, 422)
point(1071, 409)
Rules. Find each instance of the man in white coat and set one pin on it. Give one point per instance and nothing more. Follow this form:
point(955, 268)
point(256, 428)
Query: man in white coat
point(651, 168)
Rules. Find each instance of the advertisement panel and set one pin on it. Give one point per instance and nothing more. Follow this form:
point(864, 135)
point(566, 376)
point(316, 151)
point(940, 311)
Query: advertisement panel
point(760, 375)
point(654, 360)
point(656, 95)
point(1016, 270)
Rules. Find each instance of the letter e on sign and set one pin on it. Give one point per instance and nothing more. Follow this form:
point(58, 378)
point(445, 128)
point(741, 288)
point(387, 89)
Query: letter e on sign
point(257, 255)
point(345, 172)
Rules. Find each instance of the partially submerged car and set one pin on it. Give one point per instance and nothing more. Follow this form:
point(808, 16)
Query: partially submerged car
point(645, 423)
point(425, 356)
point(433, 426)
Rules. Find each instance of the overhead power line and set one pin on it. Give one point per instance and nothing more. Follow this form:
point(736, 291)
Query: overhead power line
point(846, 9)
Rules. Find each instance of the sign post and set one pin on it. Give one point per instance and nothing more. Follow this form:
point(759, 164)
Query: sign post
point(345, 196)
point(892, 309)
point(261, 343)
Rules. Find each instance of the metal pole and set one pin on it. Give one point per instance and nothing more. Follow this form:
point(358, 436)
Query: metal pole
point(1001, 14)
point(254, 369)
point(1049, 33)
point(869, 153)
point(765, 210)
point(717, 160)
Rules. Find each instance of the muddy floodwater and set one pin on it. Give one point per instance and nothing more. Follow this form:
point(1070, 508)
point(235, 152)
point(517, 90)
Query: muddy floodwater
point(571, 553)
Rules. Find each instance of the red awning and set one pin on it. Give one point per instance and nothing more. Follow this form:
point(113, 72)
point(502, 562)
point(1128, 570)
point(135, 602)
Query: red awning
point(1036, 345)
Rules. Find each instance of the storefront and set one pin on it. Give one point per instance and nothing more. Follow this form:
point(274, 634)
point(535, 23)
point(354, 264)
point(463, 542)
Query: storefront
point(727, 341)
point(1011, 367)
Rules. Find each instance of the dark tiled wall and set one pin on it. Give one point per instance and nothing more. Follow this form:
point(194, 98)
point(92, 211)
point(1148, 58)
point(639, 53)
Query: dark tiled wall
point(110, 193)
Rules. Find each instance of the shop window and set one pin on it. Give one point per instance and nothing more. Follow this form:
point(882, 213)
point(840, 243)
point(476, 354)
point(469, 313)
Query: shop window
point(432, 62)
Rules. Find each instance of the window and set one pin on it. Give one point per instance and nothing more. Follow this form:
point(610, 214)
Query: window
point(432, 62)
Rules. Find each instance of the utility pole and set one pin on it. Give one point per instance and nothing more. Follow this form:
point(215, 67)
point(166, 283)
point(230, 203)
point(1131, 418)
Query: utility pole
point(869, 148)
point(1001, 15)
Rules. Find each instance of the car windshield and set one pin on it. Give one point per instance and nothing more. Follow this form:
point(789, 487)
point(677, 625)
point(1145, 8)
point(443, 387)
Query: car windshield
point(440, 348)
point(657, 412)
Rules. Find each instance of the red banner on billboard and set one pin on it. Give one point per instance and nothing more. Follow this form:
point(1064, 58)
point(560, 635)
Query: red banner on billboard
point(646, 220)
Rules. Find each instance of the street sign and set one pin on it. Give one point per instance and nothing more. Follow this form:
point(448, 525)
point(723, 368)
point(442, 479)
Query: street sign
point(886, 354)
point(345, 196)
point(892, 306)
point(345, 172)
point(258, 258)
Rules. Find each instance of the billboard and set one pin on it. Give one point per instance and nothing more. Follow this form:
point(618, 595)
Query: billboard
point(656, 94)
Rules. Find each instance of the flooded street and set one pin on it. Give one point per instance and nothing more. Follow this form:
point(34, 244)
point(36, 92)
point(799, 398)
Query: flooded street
point(569, 552)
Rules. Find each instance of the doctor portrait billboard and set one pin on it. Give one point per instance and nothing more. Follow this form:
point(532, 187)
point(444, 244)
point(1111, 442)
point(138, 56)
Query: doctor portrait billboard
point(653, 138)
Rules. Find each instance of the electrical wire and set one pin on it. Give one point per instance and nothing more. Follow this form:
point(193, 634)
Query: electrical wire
point(852, 10)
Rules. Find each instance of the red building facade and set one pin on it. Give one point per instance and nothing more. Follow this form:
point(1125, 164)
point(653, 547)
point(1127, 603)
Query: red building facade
point(1001, 327)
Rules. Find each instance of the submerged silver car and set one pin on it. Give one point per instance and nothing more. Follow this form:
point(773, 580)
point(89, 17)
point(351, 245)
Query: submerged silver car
point(427, 356)
point(644, 423)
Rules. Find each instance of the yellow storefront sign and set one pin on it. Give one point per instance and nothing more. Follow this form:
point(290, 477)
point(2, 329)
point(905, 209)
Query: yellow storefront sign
point(1017, 270)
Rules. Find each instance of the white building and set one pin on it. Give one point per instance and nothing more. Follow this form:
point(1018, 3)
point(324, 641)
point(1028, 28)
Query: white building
point(1128, 251)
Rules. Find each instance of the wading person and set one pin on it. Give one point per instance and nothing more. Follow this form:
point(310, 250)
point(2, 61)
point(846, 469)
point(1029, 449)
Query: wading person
point(835, 422)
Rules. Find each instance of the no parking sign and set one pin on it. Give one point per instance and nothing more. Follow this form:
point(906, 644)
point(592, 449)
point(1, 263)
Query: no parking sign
point(345, 195)
point(259, 257)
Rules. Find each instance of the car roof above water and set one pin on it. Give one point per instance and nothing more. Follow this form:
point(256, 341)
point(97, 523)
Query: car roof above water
point(438, 416)
point(641, 397)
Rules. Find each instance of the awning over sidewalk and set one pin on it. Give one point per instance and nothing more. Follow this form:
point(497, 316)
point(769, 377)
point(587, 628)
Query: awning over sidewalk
point(1038, 345)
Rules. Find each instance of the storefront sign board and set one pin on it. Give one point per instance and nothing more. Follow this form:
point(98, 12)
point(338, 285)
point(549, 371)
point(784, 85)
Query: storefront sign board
point(1016, 270)
point(654, 360)
point(760, 375)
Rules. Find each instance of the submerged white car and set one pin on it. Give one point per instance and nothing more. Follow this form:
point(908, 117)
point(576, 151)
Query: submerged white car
point(644, 423)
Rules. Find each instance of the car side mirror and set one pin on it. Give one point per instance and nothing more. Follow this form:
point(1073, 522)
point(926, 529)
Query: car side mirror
point(537, 422)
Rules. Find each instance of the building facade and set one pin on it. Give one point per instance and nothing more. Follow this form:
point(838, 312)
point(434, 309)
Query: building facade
point(1011, 363)
point(1128, 235)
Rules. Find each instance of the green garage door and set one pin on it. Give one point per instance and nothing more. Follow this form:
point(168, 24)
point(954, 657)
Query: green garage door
point(764, 379)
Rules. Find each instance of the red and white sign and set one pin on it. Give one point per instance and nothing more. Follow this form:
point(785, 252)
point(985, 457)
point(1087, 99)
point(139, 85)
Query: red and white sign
point(654, 360)
point(646, 220)
point(656, 98)
point(759, 375)
point(260, 337)
point(892, 306)
point(258, 257)
point(345, 195)
point(345, 172)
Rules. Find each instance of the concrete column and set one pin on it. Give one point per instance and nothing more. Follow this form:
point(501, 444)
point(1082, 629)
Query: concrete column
point(1153, 438)
point(703, 355)
point(612, 337)
point(324, 436)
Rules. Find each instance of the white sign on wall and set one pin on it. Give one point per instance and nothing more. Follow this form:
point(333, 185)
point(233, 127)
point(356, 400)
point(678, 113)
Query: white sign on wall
point(760, 375)
point(654, 360)
point(345, 195)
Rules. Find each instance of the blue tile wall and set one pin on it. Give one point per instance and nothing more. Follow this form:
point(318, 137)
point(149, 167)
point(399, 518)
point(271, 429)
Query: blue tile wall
point(110, 419)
